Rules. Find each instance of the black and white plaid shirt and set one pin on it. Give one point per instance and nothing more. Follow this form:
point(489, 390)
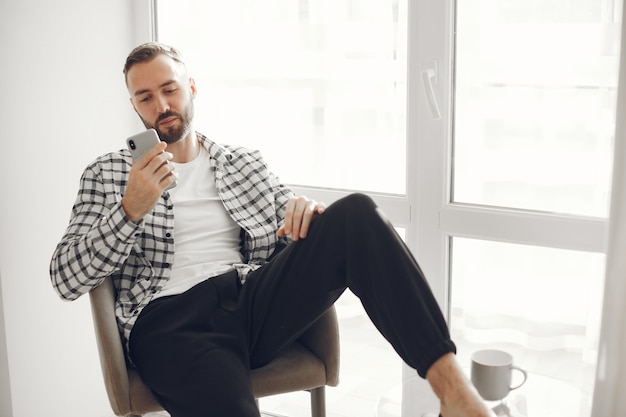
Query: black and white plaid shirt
point(100, 241)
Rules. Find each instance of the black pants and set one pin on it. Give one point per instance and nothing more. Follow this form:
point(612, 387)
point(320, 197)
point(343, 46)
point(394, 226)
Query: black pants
point(195, 350)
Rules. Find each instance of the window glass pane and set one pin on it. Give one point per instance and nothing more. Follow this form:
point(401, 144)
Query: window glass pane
point(318, 86)
point(541, 304)
point(535, 103)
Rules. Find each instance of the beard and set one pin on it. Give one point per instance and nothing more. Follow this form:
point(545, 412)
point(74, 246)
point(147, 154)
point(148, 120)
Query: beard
point(175, 133)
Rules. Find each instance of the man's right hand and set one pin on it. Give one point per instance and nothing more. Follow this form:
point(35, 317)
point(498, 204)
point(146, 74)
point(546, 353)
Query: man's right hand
point(149, 177)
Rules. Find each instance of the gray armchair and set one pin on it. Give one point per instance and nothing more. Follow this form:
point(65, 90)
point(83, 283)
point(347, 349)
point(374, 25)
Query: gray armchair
point(309, 364)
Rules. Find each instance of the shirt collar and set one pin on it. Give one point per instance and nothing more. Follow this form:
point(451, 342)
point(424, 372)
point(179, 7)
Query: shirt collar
point(217, 152)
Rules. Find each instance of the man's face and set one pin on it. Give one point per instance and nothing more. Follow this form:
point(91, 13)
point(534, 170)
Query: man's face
point(162, 94)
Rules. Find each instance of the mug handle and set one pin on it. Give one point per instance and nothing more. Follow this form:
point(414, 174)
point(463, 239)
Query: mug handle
point(523, 373)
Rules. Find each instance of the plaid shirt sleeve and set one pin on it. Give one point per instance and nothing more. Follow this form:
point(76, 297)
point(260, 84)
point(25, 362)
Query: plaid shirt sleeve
point(99, 237)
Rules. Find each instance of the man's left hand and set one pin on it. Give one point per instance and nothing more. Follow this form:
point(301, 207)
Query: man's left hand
point(298, 215)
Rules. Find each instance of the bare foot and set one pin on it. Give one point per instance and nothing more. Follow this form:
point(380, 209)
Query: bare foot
point(457, 394)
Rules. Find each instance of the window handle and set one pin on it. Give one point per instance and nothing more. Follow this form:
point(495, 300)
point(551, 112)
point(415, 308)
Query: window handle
point(429, 79)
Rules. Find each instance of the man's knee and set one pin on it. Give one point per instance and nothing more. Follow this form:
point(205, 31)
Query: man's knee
point(362, 208)
point(355, 204)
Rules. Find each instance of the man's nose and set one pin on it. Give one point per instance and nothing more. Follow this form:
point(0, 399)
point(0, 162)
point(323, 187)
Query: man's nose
point(162, 105)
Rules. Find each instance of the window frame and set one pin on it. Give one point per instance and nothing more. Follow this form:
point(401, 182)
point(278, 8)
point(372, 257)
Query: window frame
point(426, 211)
point(439, 218)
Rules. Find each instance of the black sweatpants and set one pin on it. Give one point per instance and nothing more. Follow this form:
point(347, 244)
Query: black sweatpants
point(195, 350)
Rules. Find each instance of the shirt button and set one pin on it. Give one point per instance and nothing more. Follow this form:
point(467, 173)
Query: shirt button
point(166, 265)
point(169, 207)
point(168, 234)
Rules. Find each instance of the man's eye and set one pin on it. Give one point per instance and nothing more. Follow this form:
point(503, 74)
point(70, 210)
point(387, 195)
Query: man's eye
point(144, 99)
point(171, 90)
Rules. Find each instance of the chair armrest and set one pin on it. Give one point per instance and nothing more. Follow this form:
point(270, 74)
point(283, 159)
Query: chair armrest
point(322, 338)
point(112, 358)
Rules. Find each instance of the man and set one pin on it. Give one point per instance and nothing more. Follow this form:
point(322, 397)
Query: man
point(218, 274)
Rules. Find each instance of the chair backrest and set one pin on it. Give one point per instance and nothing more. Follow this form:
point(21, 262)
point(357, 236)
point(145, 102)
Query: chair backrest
point(112, 359)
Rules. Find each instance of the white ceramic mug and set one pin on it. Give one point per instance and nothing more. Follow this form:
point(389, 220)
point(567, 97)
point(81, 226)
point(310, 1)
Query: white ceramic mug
point(492, 374)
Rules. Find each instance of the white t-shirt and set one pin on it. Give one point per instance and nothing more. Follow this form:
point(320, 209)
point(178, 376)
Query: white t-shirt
point(207, 239)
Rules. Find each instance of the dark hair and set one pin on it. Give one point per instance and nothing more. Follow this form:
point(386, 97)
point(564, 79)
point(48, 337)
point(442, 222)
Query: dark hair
point(149, 51)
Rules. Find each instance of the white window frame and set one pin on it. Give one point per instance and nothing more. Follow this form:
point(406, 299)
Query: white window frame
point(426, 212)
point(438, 218)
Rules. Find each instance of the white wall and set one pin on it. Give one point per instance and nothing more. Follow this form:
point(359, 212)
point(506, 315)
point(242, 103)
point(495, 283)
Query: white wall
point(63, 103)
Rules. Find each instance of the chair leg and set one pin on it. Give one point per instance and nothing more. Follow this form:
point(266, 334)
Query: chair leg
point(318, 402)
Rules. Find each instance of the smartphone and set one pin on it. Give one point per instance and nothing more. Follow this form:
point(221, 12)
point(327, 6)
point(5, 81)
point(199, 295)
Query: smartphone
point(141, 142)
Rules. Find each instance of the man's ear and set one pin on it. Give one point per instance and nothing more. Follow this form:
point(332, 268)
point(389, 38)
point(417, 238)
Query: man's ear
point(193, 88)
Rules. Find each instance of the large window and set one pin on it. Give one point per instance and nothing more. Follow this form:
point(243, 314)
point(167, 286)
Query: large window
point(483, 128)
